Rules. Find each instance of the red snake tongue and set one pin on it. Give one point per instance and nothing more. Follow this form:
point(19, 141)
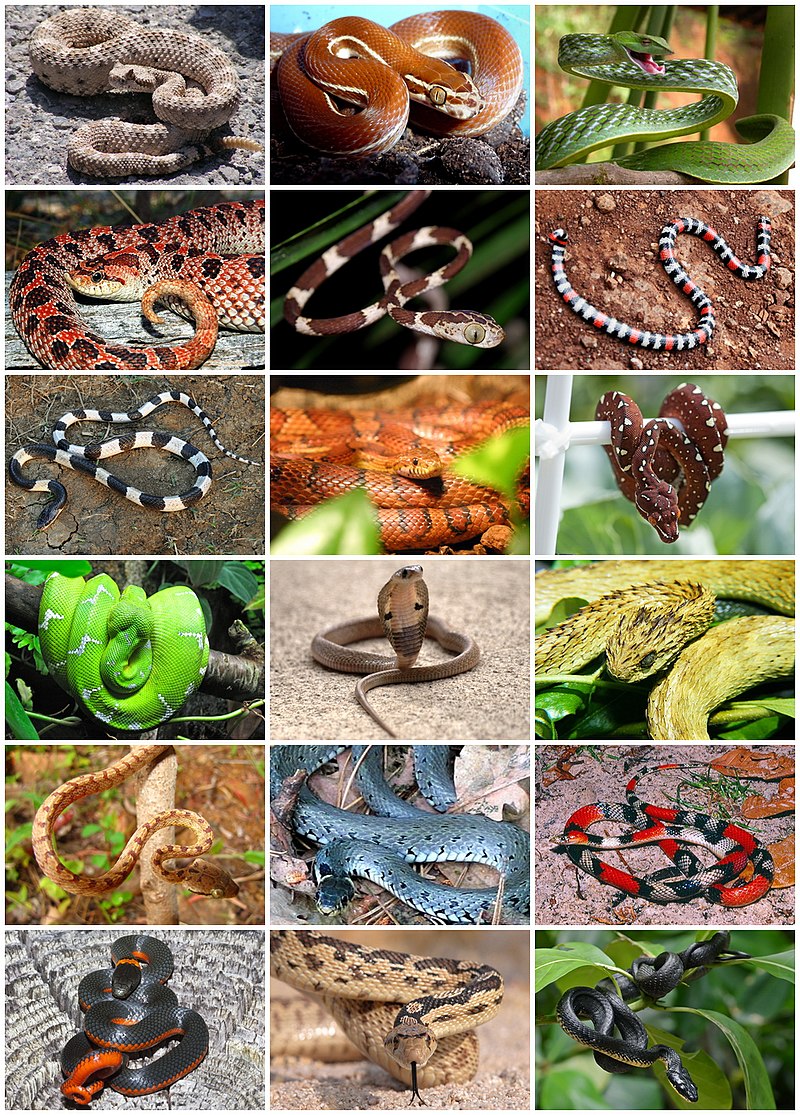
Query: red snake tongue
point(646, 62)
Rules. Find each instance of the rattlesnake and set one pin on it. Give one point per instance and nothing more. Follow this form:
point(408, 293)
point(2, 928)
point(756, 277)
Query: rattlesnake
point(89, 51)
point(212, 258)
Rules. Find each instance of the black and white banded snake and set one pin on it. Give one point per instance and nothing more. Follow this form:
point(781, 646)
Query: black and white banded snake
point(606, 1005)
point(368, 845)
point(82, 458)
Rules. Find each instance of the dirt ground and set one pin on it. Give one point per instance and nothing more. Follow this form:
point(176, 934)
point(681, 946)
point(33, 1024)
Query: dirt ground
point(612, 262)
point(503, 1079)
point(96, 520)
point(568, 778)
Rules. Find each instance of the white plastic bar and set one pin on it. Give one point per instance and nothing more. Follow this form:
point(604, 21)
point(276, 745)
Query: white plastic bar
point(557, 401)
point(557, 439)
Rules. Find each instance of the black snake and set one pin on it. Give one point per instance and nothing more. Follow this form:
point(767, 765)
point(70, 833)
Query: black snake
point(84, 458)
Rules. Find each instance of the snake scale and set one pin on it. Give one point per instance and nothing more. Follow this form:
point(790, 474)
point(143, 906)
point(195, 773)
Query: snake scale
point(194, 88)
point(413, 1015)
point(211, 260)
point(652, 616)
point(382, 846)
point(401, 459)
point(129, 1011)
point(666, 342)
point(83, 458)
point(384, 72)
point(630, 60)
point(735, 848)
point(129, 660)
point(606, 1005)
point(200, 875)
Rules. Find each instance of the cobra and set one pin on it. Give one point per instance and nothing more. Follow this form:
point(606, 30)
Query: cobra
point(464, 327)
point(630, 60)
point(381, 847)
point(129, 660)
point(649, 457)
point(666, 342)
point(735, 848)
point(647, 616)
point(83, 458)
point(126, 1016)
point(382, 72)
point(403, 619)
point(606, 1006)
point(428, 1041)
point(199, 875)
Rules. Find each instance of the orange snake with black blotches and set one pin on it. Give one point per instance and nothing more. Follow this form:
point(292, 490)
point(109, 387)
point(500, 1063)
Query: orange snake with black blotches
point(200, 875)
point(400, 459)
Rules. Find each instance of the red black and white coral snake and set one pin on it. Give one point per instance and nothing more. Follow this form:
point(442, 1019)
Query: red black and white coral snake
point(670, 828)
point(129, 1011)
point(666, 342)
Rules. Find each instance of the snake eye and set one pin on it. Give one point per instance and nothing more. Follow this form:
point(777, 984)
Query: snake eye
point(648, 660)
point(438, 95)
point(474, 333)
point(97, 276)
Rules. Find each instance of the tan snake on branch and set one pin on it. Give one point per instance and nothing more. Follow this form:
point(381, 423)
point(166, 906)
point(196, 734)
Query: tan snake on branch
point(647, 616)
point(200, 875)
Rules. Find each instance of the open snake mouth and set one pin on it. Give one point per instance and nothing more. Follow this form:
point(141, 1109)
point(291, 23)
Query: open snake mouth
point(645, 62)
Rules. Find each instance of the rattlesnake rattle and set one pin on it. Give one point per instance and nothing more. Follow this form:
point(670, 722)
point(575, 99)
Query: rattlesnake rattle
point(429, 1041)
point(680, 599)
point(200, 876)
point(403, 619)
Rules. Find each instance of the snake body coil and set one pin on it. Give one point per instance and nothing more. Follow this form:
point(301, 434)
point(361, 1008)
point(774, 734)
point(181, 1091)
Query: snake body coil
point(626, 59)
point(666, 342)
point(129, 660)
point(130, 1014)
point(381, 848)
point(429, 1040)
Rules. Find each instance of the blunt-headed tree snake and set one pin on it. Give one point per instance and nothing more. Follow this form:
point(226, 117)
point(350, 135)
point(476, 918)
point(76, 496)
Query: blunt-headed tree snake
point(199, 875)
point(129, 1011)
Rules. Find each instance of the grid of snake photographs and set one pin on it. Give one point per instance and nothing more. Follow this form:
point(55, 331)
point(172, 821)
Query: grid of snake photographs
point(134, 513)
point(664, 573)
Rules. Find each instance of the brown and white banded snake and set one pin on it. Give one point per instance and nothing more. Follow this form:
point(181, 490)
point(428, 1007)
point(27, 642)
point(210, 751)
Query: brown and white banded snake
point(412, 1015)
point(383, 72)
point(201, 876)
point(464, 327)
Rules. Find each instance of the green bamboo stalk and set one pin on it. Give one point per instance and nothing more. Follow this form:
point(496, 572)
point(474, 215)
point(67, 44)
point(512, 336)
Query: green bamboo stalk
point(712, 26)
point(776, 79)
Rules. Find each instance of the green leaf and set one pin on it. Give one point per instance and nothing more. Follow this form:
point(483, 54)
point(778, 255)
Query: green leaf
point(67, 567)
point(569, 1090)
point(498, 461)
point(344, 525)
point(18, 723)
point(239, 581)
point(756, 1079)
point(781, 965)
point(712, 1084)
point(202, 571)
point(554, 964)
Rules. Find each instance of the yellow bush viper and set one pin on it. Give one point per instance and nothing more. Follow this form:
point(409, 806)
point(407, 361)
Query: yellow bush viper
point(645, 614)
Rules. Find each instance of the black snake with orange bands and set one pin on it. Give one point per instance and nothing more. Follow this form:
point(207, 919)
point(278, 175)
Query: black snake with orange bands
point(129, 1012)
point(720, 883)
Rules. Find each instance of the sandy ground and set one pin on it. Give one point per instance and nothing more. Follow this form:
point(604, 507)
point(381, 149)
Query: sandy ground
point(503, 1080)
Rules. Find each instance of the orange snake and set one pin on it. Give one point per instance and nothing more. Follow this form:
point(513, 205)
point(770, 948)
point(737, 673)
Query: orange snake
point(399, 458)
point(200, 875)
point(384, 71)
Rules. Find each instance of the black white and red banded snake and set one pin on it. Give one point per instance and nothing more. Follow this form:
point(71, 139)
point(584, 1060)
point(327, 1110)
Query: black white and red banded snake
point(734, 847)
point(650, 979)
point(648, 458)
point(385, 71)
point(84, 458)
point(464, 327)
point(129, 1011)
point(661, 342)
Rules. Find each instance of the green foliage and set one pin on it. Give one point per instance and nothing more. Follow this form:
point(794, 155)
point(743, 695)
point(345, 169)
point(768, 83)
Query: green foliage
point(343, 525)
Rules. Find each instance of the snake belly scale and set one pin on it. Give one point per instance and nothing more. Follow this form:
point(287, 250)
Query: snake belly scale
point(83, 458)
point(413, 1015)
point(200, 875)
point(381, 847)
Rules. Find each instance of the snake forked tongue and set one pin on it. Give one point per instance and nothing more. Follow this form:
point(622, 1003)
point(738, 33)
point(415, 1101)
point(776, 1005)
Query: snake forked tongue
point(403, 609)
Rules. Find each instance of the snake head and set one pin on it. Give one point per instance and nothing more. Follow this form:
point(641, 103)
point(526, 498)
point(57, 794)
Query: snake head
point(679, 1078)
point(659, 505)
point(204, 877)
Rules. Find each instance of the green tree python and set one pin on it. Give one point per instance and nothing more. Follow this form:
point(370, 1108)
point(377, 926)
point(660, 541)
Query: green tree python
point(648, 617)
point(629, 60)
point(129, 660)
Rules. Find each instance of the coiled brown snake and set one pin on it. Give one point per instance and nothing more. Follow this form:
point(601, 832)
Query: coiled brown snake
point(381, 71)
point(403, 619)
point(200, 875)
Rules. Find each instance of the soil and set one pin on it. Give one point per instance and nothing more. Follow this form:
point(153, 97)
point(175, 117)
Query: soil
point(96, 520)
point(568, 778)
point(612, 262)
